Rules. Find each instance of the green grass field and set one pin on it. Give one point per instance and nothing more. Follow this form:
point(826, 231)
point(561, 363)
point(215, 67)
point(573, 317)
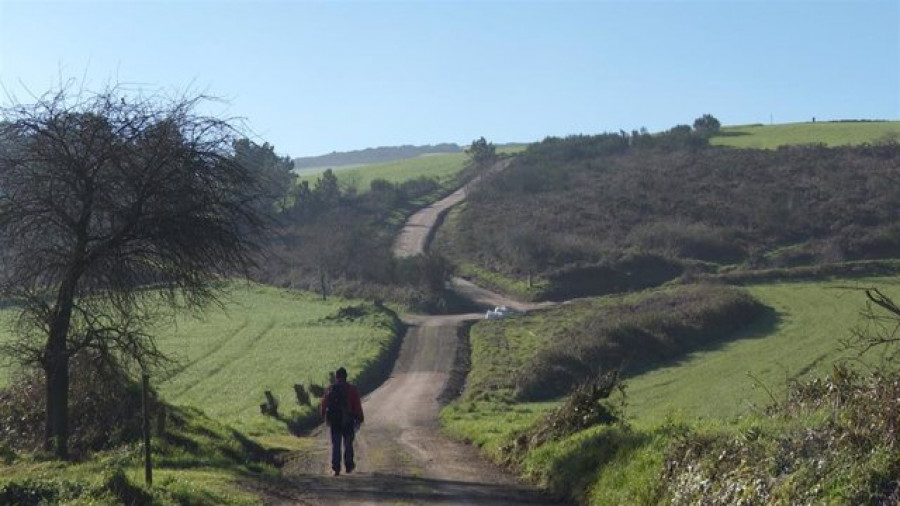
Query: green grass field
point(263, 339)
point(705, 392)
point(831, 134)
point(803, 338)
point(442, 167)
point(811, 320)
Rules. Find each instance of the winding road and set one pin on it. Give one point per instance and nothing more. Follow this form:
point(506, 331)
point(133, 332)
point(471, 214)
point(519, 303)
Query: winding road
point(402, 456)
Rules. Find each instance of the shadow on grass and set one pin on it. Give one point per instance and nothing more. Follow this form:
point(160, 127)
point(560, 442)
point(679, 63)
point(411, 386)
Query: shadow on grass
point(764, 325)
point(390, 489)
point(572, 473)
point(731, 134)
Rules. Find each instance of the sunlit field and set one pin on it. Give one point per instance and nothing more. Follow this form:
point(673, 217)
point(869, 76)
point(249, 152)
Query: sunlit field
point(263, 338)
point(442, 167)
point(831, 134)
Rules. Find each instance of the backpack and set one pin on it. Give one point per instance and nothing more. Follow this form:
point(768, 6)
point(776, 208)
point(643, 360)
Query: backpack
point(337, 411)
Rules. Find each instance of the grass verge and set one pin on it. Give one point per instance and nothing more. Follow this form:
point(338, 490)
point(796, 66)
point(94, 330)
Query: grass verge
point(197, 461)
point(697, 425)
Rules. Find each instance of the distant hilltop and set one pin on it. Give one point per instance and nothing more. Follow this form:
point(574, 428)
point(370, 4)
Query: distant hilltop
point(372, 155)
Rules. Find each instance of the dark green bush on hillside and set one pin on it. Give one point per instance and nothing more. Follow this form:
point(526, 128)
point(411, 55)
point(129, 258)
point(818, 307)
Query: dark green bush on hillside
point(633, 335)
point(633, 272)
point(596, 199)
point(686, 240)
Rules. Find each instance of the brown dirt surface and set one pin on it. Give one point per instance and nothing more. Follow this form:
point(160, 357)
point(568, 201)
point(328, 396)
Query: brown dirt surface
point(402, 458)
point(417, 233)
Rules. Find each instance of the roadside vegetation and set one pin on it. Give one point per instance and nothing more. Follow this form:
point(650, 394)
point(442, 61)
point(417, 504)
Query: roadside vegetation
point(210, 438)
point(333, 239)
point(199, 461)
point(764, 412)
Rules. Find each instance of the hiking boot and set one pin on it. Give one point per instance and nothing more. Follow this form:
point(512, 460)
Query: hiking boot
point(335, 472)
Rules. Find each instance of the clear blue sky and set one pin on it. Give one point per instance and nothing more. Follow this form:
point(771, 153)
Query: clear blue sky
point(315, 77)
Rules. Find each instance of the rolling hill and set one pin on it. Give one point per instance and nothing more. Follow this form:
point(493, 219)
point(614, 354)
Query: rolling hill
point(835, 133)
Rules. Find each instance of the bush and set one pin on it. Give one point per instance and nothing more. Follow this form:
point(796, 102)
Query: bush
point(632, 272)
point(584, 407)
point(592, 206)
point(852, 457)
point(633, 335)
point(31, 492)
point(104, 409)
point(687, 240)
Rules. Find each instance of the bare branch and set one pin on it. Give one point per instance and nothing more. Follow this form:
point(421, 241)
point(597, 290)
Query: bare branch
point(116, 208)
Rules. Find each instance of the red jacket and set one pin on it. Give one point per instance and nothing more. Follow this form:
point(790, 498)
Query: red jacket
point(352, 398)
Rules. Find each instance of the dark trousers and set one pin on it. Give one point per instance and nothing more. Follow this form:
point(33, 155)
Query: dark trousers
point(338, 434)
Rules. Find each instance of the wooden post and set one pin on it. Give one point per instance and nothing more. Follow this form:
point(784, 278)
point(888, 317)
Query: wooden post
point(272, 402)
point(160, 420)
point(148, 462)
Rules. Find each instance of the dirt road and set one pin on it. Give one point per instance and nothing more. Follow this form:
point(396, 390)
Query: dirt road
point(419, 228)
point(402, 456)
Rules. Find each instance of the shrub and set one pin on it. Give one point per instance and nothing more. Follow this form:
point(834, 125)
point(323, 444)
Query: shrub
point(687, 240)
point(852, 457)
point(632, 272)
point(104, 409)
point(584, 407)
point(31, 492)
point(593, 205)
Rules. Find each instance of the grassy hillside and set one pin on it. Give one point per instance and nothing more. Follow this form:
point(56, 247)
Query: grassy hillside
point(370, 156)
point(801, 339)
point(699, 393)
point(828, 133)
point(199, 462)
point(442, 167)
point(265, 339)
point(262, 339)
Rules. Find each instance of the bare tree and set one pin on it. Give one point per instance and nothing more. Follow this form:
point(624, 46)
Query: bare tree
point(115, 208)
point(881, 329)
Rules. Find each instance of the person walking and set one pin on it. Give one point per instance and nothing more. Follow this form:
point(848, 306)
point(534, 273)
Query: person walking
point(342, 410)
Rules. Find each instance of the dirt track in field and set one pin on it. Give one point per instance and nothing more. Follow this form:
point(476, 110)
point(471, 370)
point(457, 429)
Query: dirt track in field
point(402, 458)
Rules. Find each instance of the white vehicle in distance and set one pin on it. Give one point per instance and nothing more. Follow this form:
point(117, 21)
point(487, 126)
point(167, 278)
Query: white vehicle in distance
point(500, 312)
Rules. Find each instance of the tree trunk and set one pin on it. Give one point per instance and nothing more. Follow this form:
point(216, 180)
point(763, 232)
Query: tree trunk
point(56, 369)
point(57, 372)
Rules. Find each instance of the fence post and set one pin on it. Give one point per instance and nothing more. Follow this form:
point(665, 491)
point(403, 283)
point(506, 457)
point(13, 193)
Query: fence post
point(148, 462)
